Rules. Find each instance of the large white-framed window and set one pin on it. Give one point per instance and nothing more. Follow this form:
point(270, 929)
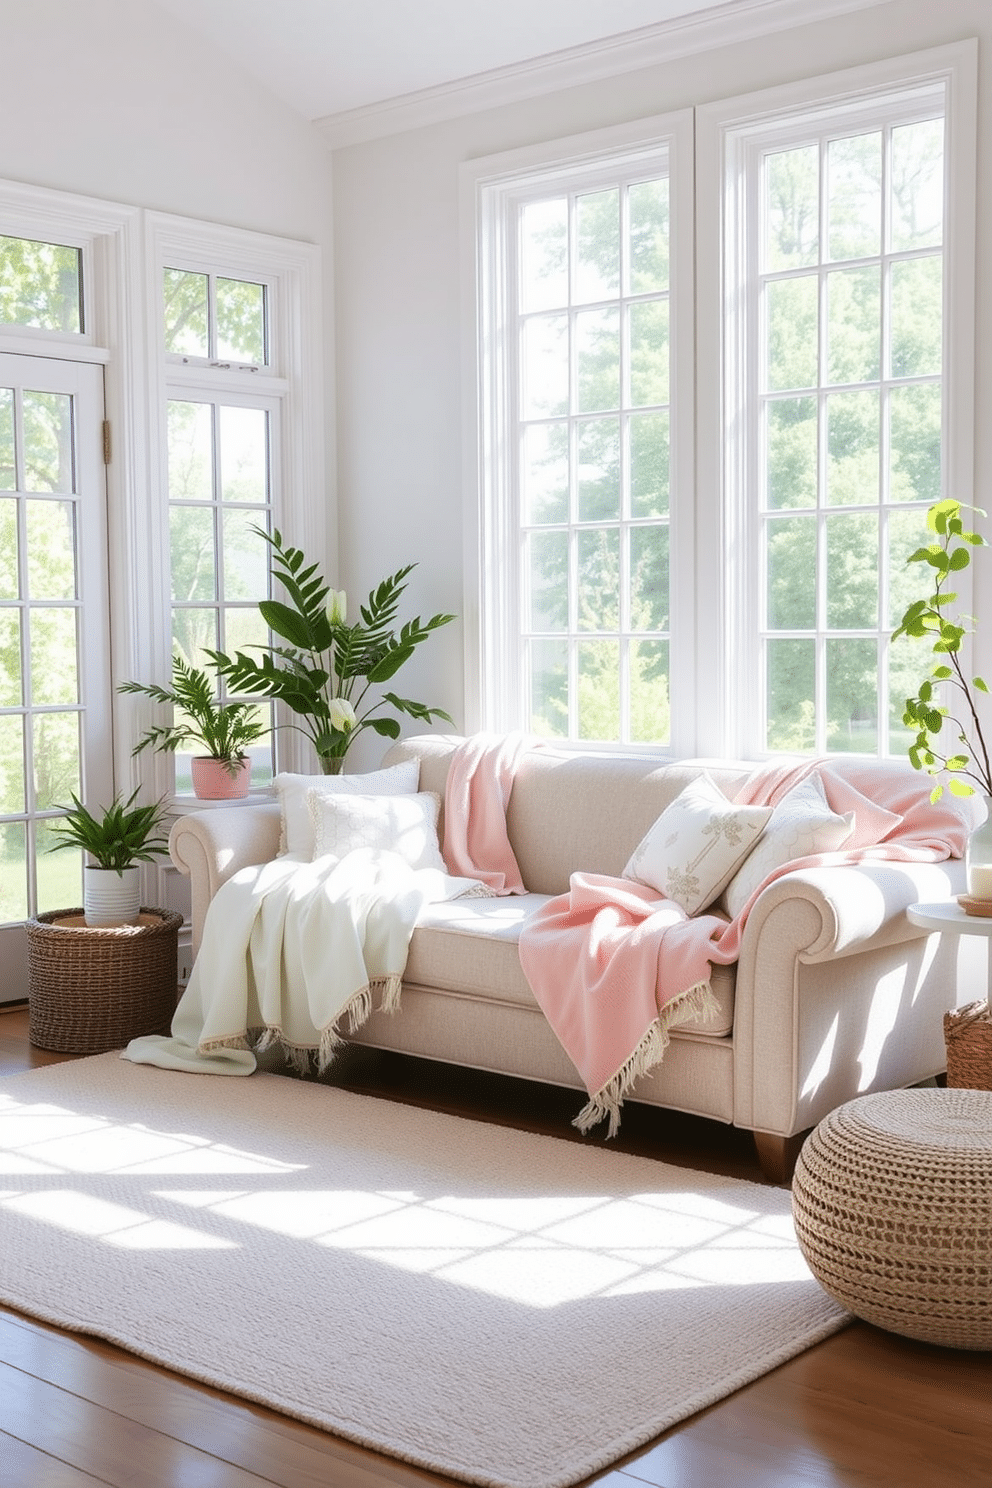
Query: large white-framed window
point(835, 236)
point(581, 360)
point(234, 444)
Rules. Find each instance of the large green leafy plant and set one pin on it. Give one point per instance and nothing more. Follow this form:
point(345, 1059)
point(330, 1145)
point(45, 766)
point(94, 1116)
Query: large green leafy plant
point(929, 619)
point(324, 672)
point(223, 729)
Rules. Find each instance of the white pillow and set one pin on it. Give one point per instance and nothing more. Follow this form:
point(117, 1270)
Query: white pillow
point(802, 824)
point(696, 845)
point(296, 834)
point(404, 824)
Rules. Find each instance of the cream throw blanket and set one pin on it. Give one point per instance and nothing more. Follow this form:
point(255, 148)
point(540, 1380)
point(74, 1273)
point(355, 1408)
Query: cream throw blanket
point(291, 950)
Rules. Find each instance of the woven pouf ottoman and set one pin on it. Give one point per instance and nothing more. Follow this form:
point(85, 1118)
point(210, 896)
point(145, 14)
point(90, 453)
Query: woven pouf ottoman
point(892, 1203)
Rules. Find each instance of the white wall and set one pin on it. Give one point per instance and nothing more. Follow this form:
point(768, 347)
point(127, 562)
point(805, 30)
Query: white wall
point(397, 291)
point(116, 99)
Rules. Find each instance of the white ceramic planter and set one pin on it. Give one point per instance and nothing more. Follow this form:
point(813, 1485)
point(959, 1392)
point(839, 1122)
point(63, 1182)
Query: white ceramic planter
point(111, 898)
point(212, 781)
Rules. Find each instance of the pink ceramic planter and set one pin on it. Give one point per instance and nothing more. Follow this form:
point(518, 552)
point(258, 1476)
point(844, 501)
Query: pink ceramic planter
point(213, 782)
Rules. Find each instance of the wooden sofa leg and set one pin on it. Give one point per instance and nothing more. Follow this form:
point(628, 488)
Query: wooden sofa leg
point(777, 1155)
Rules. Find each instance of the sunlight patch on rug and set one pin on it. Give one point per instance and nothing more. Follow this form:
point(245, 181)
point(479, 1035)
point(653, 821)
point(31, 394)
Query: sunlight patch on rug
point(507, 1309)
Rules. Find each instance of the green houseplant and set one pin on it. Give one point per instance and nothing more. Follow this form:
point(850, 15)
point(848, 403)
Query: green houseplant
point(324, 672)
point(223, 730)
point(965, 762)
point(118, 837)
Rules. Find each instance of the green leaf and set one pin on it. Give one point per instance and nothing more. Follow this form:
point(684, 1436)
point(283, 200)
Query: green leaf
point(960, 787)
point(389, 728)
point(286, 623)
point(960, 558)
point(980, 683)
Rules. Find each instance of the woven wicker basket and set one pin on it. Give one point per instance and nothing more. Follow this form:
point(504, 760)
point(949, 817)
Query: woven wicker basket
point(968, 1040)
point(91, 990)
point(892, 1198)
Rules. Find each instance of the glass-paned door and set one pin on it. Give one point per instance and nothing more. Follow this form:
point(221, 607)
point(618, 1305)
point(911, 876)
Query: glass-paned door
point(55, 687)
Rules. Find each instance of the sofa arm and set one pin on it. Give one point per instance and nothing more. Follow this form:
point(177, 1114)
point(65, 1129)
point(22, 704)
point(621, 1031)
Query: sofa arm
point(211, 846)
point(837, 993)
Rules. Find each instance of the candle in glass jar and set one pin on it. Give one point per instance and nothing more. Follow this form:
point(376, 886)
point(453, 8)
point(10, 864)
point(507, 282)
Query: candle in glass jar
point(980, 880)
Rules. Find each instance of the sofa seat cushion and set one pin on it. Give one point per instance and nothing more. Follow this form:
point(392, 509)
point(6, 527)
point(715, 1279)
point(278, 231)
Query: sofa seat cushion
point(469, 946)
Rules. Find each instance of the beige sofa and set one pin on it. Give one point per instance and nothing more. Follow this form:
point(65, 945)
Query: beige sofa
point(835, 993)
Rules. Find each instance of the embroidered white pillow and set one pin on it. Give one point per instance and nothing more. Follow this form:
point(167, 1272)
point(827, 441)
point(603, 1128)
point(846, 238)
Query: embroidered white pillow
point(802, 824)
point(696, 845)
point(406, 825)
point(296, 835)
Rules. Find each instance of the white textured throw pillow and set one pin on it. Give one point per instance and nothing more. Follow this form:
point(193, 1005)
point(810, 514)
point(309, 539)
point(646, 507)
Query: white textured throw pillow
point(802, 824)
point(406, 825)
point(696, 845)
point(296, 834)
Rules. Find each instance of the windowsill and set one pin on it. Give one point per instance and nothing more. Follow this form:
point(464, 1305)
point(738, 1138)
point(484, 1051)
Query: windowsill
point(186, 805)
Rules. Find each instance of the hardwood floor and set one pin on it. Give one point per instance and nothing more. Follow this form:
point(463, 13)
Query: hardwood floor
point(864, 1409)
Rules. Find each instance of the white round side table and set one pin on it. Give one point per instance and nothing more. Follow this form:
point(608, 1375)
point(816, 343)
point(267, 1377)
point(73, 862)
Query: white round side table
point(967, 1029)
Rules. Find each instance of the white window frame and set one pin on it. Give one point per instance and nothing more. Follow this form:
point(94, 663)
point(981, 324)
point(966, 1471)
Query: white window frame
point(491, 190)
point(728, 567)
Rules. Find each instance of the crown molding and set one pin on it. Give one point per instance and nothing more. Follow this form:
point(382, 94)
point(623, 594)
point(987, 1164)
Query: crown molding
point(726, 24)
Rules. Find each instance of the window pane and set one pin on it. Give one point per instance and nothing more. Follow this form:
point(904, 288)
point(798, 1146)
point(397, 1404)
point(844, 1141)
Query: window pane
point(917, 196)
point(10, 655)
point(59, 875)
point(549, 688)
point(649, 578)
point(41, 285)
point(907, 532)
point(56, 759)
point(193, 554)
point(598, 454)
point(13, 873)
point(241, 321)
point(648, 208)
point(917, 318)
point(854, 196)
point(545, 365)
point(9, 583)
point(246, 556)
point(54, 670)
point(47, 441)
point(11, 764)
point(791, 464)
point(915, 443)
point(544, 473)
point(599, 690)
point(790, 680)
point(649, 353)
point(597, 334)
point(544, 255)
point(650, 717)
point(909, 663)
point(792, 315)
point(599, 579)
point(854, 321)
point(191, 464)
point(51, 549)
point(852, 573)
point(243, 627)
point(8, 472)
point(791, 601)
point(244, 454)
point(597, 265)
point(649, 464)
point(548, 580)
point(194, 631)
point(792, 210)
point(852, 696)
point(852, 448)
point(184, 303)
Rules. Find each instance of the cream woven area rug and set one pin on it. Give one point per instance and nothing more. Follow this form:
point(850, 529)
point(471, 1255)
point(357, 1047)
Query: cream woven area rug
point(504, 1308)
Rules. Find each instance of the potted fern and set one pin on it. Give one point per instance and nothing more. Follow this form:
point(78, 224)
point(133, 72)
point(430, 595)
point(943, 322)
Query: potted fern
point(223, 731)
point(118, 837)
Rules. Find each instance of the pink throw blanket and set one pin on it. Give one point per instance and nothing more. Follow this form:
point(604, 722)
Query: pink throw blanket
point(476, 795)
point(614, 967)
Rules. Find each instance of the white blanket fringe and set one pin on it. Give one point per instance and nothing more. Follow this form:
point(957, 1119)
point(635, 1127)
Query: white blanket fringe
point(695, 1002)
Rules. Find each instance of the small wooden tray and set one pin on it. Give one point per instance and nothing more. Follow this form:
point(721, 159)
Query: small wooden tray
point(980, 907)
